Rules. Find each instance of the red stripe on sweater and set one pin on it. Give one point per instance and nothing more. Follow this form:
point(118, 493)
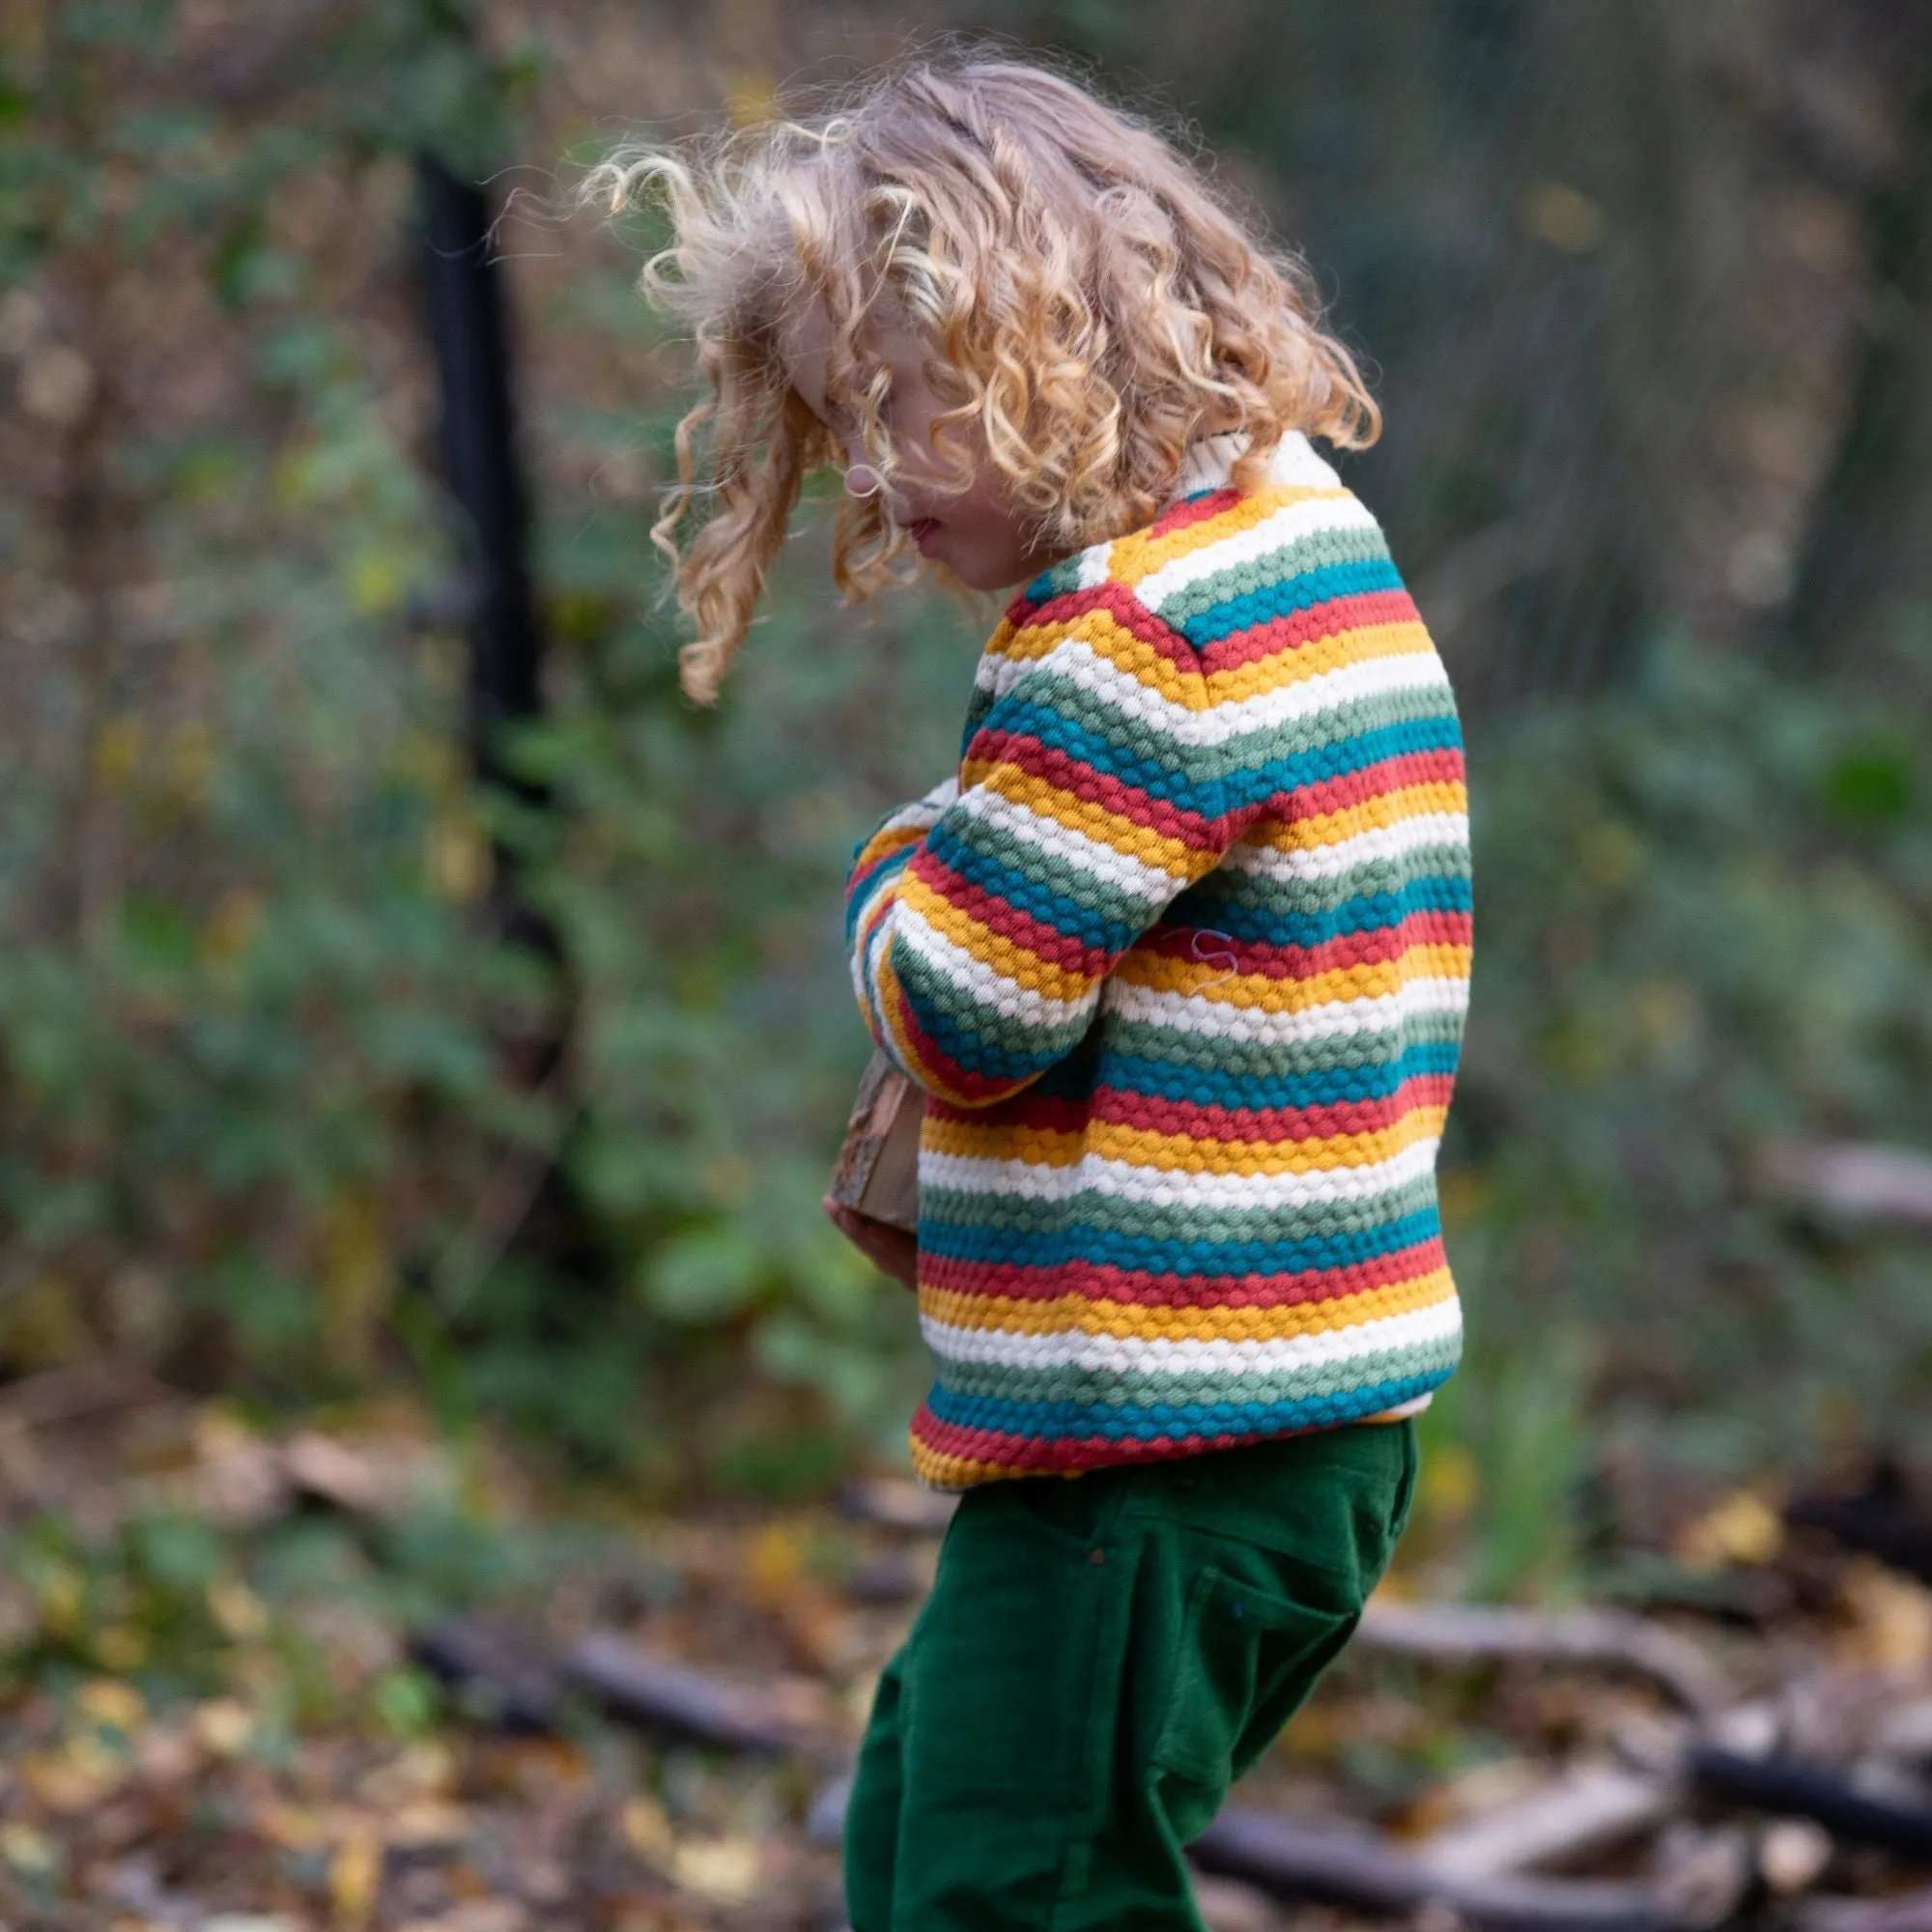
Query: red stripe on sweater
point(1377, 780)
point(1010, 922)
point(938, 1066)
point(1152, 1113)
point(1058, 1455)
point(1258, 960)
point(1096, 1281)
point(1126, 610)
point(1185, 514)
point(1296, 630)
point(1040, 759)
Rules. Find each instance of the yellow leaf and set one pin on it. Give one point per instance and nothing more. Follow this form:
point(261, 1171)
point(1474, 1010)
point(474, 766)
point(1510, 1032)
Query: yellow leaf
point(1743, 1528)
point(62, 1591)
point(74, 1779)
point(356, 1277)
point(723, 1869)
point(109, 1701)
point(425, 1823)
point(456, 859)
point(224, 1725)
point(26, 1848)
point(291, 1827)
point(426, 1769)
point(647, 1832)
point(1448, 1482)
point(378, 580)
point(117, 751)
point(775, 1563)
point(218, 1433)
point(121, 1647)
point(237, 1609)
point(1891, 1619)
point(353, 1874)
point(1564, 216)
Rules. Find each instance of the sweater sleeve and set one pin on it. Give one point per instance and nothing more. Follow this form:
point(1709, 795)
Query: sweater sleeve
point(1089, 797)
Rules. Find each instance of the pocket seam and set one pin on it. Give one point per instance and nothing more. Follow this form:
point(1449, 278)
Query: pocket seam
point(1189, 1678)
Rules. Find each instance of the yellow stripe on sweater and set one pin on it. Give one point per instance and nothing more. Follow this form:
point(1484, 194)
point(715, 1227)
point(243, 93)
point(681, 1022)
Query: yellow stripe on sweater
point(1261, 991)
point(960, 1472)
point(1298, 663)
point(1134, 558)
point(992, 949)
point(1385, 809)
point(1112, 829)
point(1190, 1153)
point(1076, 1315)
point(1114, 644)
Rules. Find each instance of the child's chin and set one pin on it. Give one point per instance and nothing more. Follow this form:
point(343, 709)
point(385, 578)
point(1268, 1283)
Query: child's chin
point(978, 573)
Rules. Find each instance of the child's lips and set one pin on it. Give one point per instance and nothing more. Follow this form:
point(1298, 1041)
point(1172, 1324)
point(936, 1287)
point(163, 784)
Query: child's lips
point(922, 530)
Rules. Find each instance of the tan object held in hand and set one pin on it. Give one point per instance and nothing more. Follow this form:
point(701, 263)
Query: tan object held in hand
point(877, 1171)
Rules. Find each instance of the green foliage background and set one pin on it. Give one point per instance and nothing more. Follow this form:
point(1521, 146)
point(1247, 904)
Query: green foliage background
point(266, 1123)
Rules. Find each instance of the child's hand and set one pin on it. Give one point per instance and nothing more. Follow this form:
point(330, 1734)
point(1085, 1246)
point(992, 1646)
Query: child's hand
point(891, 1250)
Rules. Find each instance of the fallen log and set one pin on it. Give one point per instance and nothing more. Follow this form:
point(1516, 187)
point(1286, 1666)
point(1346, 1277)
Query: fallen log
point(511, 1679)
point(660, 1693)
point(1912, 1912)
point(1576, 1814)
point(1361, 1870)
point(502, 1676)
point(1478, 1633)
point(1791, 1790)
point(1352, 1866)
point(1702, 1875)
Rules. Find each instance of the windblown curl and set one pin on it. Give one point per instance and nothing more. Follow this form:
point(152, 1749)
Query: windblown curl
point(1092, 307)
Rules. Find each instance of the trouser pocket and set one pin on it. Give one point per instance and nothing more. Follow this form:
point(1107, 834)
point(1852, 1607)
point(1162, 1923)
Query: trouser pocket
point(1248, 1657)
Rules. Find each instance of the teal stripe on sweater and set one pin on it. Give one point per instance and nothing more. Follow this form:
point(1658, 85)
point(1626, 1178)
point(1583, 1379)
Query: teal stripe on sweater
point(1108, 1385)
point(1094, 1214)
point(1310, 552)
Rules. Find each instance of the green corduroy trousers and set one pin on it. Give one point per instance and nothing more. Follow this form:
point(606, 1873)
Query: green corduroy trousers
point(1099, 1661)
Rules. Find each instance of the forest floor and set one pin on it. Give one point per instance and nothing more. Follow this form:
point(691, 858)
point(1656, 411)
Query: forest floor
point(214, 1712)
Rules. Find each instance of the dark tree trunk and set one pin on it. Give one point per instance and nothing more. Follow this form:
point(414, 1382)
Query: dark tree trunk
point(468, 330)
point(1867, 556)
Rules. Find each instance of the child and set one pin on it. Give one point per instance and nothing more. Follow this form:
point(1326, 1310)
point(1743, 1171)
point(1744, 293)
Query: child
point(1178, 955)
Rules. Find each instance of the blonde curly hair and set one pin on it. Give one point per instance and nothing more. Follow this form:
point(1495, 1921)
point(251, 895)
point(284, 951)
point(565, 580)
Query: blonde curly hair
point(1092, 307)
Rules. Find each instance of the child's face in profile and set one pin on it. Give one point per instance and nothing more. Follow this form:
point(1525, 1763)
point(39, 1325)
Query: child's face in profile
point(981, 534)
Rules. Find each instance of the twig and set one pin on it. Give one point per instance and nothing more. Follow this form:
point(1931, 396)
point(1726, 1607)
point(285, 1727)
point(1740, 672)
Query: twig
point(87, 1388)
point(1360, 1869)
point(894, 1503)
point(519, 1684)
point(1861, 1180)
point(663, 1694)
point(1912, 1912)
point(1579, 1812)
point(505, 1678)
point(1479, 1632)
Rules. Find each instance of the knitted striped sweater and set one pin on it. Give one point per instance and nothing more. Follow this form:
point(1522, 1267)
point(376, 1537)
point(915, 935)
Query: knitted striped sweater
point(1181, 957)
